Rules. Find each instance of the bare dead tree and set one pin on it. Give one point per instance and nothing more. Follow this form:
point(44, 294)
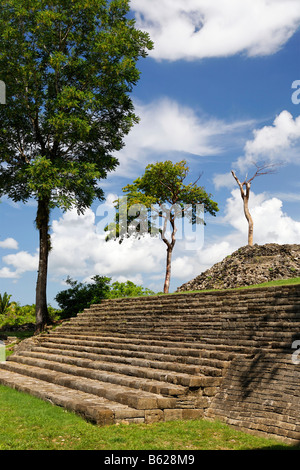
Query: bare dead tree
point(245, 187)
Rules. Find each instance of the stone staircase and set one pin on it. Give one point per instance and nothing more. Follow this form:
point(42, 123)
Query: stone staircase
point(155, 358)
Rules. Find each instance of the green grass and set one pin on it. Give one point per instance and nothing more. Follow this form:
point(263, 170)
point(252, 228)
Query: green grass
point(279, 282)
point(27, 423)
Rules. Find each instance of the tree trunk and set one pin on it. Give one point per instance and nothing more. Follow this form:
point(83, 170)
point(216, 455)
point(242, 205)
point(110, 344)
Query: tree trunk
point(250, 221)
point(168, 270)
point(245, 196)
point(170, 246)
point(42, 223)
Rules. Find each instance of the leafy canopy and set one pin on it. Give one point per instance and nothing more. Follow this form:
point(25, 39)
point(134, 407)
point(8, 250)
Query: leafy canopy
point(162, 190)
point(4, 303)
point(163, 182)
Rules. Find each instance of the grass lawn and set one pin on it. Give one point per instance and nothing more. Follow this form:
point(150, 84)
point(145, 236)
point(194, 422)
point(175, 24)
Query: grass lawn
point(279, 282)
point(27, 423)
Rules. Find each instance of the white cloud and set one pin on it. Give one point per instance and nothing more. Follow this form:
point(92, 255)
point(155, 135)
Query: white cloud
point(21, 262)
point(288, 196)
point(196, 29)
point(6, 273)
point(271, 224)
point(182, 267)
point(186, 268)
point(168, 127)
point(80, 250)
point(279, 142)
point(223, 180)
point(9, 243)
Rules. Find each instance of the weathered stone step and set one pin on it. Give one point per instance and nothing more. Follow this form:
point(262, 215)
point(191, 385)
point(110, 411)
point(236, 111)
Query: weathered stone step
point(204, 345)
point(186, 380)
point(266, 306)
point(143, 362)
point(91, 407)
point(177, 325)
point(249, 347)
point(92, 369)
point(162, 354)
point(214, 296)
point(202, 302)
point(248, 319)
point(232, 336)
point(158, 347)
point(137, 399)
point(239, 345)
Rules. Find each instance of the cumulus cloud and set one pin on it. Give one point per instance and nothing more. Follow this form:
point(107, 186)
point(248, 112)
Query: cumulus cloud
point(271, 223)
point(168, 127)
point(9, 243)
point(223, 180)
point(278, 143)
point(80, 250)
point(7, 273)
point(197, 29)
point(21, 262)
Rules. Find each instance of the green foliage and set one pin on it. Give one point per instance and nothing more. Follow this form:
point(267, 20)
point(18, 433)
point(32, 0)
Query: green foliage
point(162, 191)
point(159, 198)
point(163, 182)
point(4, 303)
point(81, 295)
point(17, 315)
point(69, 68)
point(127, 289)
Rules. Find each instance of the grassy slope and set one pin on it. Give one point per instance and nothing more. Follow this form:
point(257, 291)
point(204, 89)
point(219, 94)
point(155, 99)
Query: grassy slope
point(280, 282)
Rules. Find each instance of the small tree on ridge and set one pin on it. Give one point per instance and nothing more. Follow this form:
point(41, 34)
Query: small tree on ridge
point(162, 190)
point(245, 187)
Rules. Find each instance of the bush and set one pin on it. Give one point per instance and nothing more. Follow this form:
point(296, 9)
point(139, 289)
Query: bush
point(17, 315)
point(4, 303)
point(127, 289)
point(81, 295)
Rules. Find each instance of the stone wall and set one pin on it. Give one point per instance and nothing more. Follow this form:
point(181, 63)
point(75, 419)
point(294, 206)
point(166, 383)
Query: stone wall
point(261, 394)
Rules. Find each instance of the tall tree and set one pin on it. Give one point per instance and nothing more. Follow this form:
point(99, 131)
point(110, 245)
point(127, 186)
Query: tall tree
point(161, 194)
point(69, 67)
point(245, 187)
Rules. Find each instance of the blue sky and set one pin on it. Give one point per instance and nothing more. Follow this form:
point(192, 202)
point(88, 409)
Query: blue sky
point(215, 91)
